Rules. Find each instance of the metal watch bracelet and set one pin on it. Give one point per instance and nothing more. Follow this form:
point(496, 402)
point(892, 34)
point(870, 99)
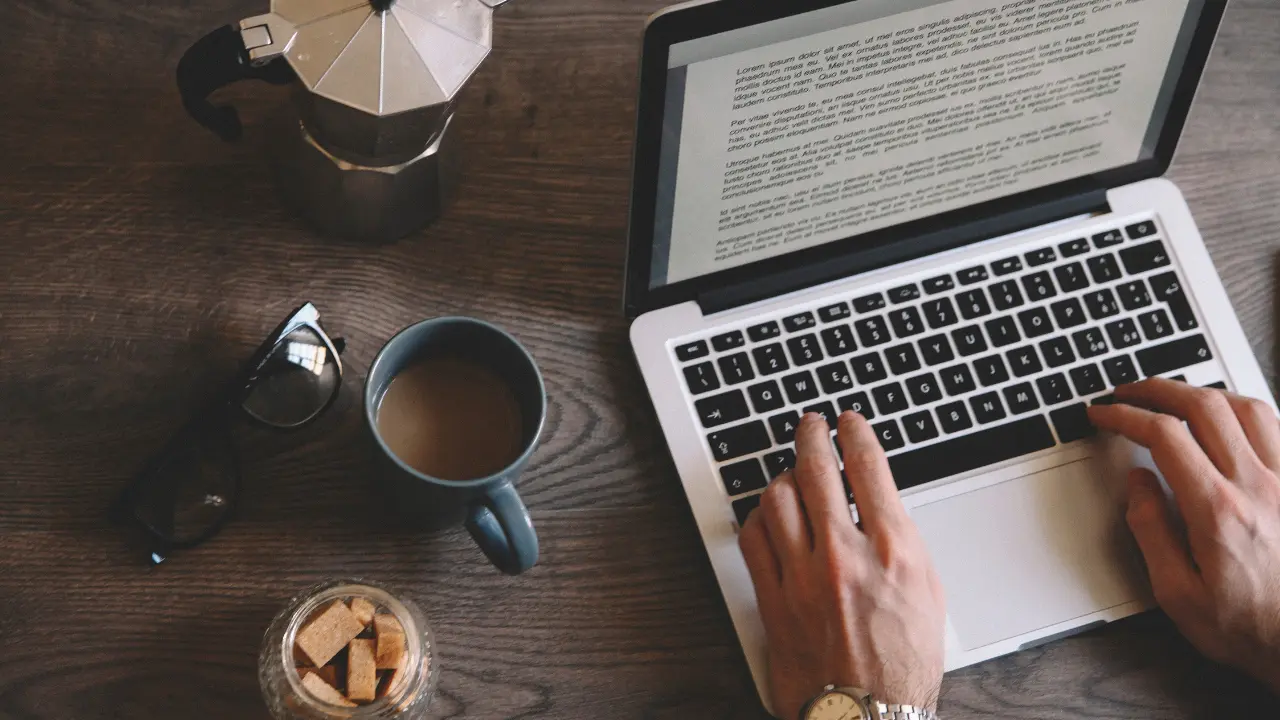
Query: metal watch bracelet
point(902, 712)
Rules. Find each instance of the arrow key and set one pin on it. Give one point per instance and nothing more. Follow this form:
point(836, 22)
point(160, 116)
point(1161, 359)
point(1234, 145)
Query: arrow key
point(1141, 258)
point(722, 409)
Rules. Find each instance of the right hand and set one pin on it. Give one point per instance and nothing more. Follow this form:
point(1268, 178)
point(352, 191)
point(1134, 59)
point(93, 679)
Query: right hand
point(1220, 584)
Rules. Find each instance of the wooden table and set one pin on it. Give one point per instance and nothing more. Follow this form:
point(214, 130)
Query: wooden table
point(141, 260)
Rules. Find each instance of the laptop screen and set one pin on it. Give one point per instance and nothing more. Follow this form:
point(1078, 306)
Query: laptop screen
point(822, 126)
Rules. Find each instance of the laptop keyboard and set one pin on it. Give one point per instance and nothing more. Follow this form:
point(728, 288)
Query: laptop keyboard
point(954, 372)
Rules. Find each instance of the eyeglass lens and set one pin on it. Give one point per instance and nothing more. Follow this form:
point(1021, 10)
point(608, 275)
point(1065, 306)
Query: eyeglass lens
point(296, 382)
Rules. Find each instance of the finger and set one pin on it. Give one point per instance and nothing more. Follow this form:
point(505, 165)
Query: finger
point(1261, 427)
point(818, 480)
point(762, 562)
point(785, 521)
point(879, 506)
point(1210, 416)
point(1174, 579)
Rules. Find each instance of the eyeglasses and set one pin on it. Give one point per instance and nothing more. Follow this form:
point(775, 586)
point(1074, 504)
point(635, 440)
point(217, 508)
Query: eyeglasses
point(187, 491)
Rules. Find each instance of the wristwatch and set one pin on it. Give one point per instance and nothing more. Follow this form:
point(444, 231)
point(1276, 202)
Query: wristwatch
point(847, 703)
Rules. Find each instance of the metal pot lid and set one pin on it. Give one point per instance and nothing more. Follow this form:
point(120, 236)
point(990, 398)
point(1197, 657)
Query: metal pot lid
point(387, 56)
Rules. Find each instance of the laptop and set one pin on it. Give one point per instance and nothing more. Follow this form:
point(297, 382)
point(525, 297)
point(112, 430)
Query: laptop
point(949, 216)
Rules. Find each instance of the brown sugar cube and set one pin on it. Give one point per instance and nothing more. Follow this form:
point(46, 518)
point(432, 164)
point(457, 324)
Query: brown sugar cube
point(362, 675)
point(390, 641)
point(328, 673)
point(327, 633)
point(363, 609)
point(390, 679)
point(324, 691)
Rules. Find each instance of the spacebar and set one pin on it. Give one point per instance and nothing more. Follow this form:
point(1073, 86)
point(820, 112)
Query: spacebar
point(970, 452)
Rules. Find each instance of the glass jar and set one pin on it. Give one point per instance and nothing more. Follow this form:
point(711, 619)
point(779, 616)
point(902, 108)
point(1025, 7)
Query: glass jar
point(406, 698)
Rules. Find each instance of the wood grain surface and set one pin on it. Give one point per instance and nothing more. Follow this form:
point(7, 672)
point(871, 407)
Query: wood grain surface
point(141, 259)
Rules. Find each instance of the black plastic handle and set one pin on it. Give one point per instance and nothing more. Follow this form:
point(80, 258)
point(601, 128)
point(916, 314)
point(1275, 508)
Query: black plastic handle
point(215, 61)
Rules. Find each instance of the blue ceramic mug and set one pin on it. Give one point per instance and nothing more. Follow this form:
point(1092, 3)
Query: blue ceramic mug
point(489, 506)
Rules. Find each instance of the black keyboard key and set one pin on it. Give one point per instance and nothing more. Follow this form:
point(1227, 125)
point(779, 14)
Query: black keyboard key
point(973, 304)
point(857, 402)
point(1072, 423)
point(923, 389)
point(1043, 256)
point(1035, 322)
point(743, 508)
point(804, 350)
point(890, 436)
point(1183, 316)
point(800, 387)
point(826, 411)
point(872, 331)
point(835, 378)
point(1120, 370)
point(906, 322)
point(1104, 269)
point(1088, 380)
point(1039, 286)
point(722, 409)
point(1104, 400)
point(1024, 361)
point(1133, 295)
point(728, 341)
point(1073, 248)
point(1108, 239)
point(1021, 398)
point(1155, 324)
point(889, 398)
point(991, 370)
point(736, 368)
point(765, 396)
point(902, 359)
point(784, 426)
point(954, 417)
point(1057, 352)
point(1006, 266)
point(738, 441)
point(957, 380)
point(1166, 286)
point(920, 427)
point(764, 331)
point(839, 311)
point(779, 462)
point(1054, 389)
point(1217, 386)
point(869, 368)
point(744, 477)
point(1003, 331)
point(1137, 231)
point(796, 323)
point(987, 407)
point(1145, 257)
point(1068, 313)
point(1090, 343)
point(971, 452)
point(692, 351)
point(771, 359)
point(933, 286)
point(936, 350)
point(906, 293)
point(1123, 334)
point(869, 303)
point(1071, 277)
point(1006, 295)
point(701, 378)
point(1174, 355)
point(972, 275)
point(1101, 304)
point(940, 313)
point(969, 340)
point(838, 340)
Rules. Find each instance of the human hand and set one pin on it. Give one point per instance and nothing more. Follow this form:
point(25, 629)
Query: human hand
point(1221, 584)
point(842, 605)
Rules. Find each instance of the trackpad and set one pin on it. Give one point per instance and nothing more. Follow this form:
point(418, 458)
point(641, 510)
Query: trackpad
point(1029, 553)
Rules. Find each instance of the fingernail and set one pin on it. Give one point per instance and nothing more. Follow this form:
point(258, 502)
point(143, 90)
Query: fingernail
point(811, 418)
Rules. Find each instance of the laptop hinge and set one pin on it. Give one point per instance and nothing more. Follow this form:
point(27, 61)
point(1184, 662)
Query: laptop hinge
point(856, 262)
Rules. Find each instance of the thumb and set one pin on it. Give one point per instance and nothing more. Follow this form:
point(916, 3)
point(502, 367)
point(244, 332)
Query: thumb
point(1174, 579)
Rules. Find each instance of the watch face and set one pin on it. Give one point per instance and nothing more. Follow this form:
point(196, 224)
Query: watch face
point(835, 706)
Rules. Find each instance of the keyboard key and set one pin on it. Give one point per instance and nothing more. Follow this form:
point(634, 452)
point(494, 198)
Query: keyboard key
point(1183, 316)
point(954, 417)
point(1104, 400)
point(744, 477)
point(872, 331)
point(991, 370)
point(804, 349)
point(1044, 256)
point(1003, 331)
point(869, 303)
point(1068, 313)
point(728, 341)
point(1054, 389)
point(766, 397)
point(1174, 355)
point(1006, 266)
point(906, 293)
point(779, 462)
point(692, 351)
point(973, 304)
point(902, 359)
point(1146, 228)
point(923, 389)
point(1166, 286)
point(1006, 295)
point(1108, 239)
point(1120, 370)
point(972, 275)
point(1057, 352)
point(838, 340)
point(1088, 380)
point(1101, 304)
point(920, 427)
point(969, 341)
point(1073, 248)
point(826, 411)
point(1072, 423)
point(906, 322)
point(722, 409)
point(835, 378)
point(936, 350)
point(1071, 277)
point(971, 452)
point(1145, 257)
point(800, 387)
point(738, 441)
point(1021, 398)
point(940, 313)
point(765, 331)
point(957, 380)
point(869, 368)
point(1024, 361)
point(736, 368)
point(1035, 322)
point(933, 286)
point(784, 426)
point(890, 436)
point(1104, 269)
point(857, 402)
point(701, 378)
point(1123, 334)
point(770, 359)
point(1090, 343)
point(742, 508)
point(1155, 325)
point(835, 312)
point(796, 323)
point(1217, 386)
point(987, 407)
point(889, 398)
point(1039, 286)
point(1133, 295)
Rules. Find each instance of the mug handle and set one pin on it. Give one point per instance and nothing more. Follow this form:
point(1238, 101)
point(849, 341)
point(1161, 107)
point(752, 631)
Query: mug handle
point(501, 526)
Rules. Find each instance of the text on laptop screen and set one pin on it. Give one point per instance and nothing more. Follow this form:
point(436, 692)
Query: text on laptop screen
point(822, 126)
